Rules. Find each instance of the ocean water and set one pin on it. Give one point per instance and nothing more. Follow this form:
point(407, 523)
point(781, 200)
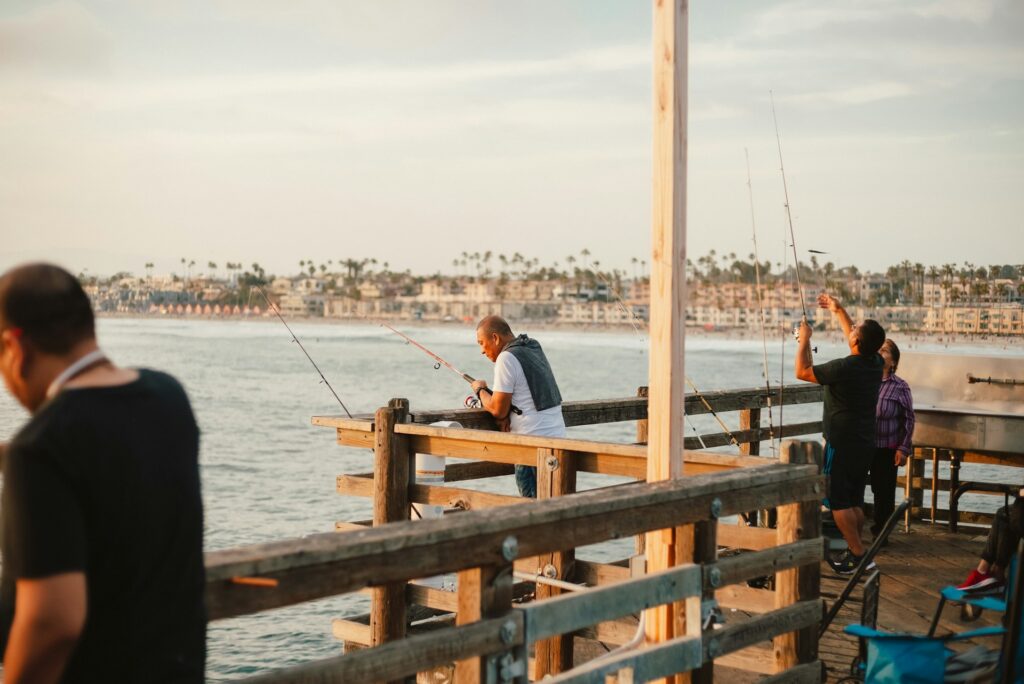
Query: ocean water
point(268, 474)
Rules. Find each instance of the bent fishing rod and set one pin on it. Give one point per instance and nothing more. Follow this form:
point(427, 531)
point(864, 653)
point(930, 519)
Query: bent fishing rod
point(438, 362)
point(273, 307)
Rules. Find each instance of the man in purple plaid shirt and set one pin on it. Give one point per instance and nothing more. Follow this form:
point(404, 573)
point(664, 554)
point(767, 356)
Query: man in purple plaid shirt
point(893, 433)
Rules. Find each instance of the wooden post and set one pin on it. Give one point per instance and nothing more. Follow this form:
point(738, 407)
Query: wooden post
point(556, 476)
point(668, 283)
point(641, 425)
point(641, 438)
point(482, 593)
point(935, 484)
point(750, 419)
point(798, 521)
point(914, 492)
point(391, 468)
point(696, 543)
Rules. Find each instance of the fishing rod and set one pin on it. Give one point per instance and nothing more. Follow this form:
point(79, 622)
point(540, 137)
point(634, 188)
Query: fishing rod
point(760, 305)
point(273, 307)
point(438, 362)
point(789, 214)
point(707, 405)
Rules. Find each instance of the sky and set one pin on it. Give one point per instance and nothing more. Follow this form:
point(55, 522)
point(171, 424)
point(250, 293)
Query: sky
point(411, 131)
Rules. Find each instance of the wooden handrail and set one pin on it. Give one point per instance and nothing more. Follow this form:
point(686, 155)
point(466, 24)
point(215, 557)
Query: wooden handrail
point(598, 411)
point(328, 564)
point(521, 626)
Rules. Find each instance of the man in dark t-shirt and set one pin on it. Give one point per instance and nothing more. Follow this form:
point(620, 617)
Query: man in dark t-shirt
point(102, 525)
point(848, 421)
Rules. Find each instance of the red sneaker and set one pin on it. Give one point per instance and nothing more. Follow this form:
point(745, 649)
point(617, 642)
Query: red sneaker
point(978, 580)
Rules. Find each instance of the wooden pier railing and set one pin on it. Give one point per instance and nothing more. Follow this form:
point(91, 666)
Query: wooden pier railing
point(525, 606)
point(491, 636)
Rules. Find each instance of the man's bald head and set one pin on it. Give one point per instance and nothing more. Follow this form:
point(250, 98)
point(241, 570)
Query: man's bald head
point(495, 325)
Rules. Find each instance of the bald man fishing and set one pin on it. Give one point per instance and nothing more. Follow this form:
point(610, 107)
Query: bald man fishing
point(522, 377)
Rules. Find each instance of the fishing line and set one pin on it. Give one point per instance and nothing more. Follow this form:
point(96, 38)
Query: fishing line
point(712, 411)
point(760, 305)
point(273, 307)
point(438, 362)
point(789, 214)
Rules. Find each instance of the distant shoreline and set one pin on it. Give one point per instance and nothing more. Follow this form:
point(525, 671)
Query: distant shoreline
point(907, 340)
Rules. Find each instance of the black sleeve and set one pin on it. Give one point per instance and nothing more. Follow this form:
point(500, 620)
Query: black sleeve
point(830, 372)
point(43, 516)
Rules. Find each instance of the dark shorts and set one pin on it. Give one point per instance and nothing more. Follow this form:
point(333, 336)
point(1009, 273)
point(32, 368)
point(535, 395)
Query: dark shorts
point(846, 474)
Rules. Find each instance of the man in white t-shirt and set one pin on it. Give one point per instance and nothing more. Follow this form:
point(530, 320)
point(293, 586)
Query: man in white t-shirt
point(525, 397)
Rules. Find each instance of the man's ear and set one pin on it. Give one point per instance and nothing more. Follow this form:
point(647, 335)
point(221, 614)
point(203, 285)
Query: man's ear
point(20, 351)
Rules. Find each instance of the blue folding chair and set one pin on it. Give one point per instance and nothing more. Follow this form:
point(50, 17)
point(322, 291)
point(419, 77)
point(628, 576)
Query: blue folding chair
point(926, 659)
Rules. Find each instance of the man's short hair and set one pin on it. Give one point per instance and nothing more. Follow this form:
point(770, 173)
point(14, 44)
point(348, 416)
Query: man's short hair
point(48, 305)
point(870, 336)
point(496, 325)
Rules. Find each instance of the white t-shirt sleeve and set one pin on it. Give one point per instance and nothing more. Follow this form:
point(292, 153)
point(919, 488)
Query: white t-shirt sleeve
point(506, 368)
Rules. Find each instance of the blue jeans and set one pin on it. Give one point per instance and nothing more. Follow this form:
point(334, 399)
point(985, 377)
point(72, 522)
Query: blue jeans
point(526, 481)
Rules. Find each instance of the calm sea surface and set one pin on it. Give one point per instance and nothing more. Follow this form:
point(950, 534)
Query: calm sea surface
point(268, 474)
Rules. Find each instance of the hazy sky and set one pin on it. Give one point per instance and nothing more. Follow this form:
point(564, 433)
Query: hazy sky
point(274, 131)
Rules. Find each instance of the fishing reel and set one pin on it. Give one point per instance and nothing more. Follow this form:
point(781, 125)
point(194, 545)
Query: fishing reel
point(796, 336)
point(472, 402)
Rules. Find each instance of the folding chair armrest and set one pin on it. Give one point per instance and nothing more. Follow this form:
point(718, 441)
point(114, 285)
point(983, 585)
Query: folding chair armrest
point(986, 602)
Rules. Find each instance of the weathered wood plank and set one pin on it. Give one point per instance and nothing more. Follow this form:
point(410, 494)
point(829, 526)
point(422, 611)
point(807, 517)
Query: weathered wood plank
point(757, 658)
point(597, 411)
point(653, 662)
point(743, 537)
point(352, 525)
point(611, 632)
point(718, 439)
point(747, 599)
point(761, 628)
point(450, 497)
point(569, 612)
point(483, 593)
point(556, 476)
point(391, 471)
point(808, 673)
point(331, 563)
point(750, 419)
point(397, 659)
point(456, 472)
point(796, 522)
point(592, 574)
point(747, 566)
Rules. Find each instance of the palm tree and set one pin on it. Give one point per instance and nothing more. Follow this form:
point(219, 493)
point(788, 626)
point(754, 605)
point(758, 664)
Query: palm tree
point(212, 265)
point(585, 253)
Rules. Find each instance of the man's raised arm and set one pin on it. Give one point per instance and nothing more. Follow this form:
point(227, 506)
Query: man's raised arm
point(827, 301)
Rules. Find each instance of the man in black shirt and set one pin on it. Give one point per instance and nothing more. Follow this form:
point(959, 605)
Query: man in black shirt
point(848, 421)
point(103, 573)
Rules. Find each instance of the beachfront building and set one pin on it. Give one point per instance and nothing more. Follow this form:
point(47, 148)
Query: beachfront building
point(602, 313)
point(1002, 319)
point(296, 304)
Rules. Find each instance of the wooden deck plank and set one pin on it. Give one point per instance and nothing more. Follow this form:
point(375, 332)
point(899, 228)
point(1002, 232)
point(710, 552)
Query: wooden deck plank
point(915, 567)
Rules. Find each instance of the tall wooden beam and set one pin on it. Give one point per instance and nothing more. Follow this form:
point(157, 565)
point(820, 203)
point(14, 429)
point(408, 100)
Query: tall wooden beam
point(668, 285)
